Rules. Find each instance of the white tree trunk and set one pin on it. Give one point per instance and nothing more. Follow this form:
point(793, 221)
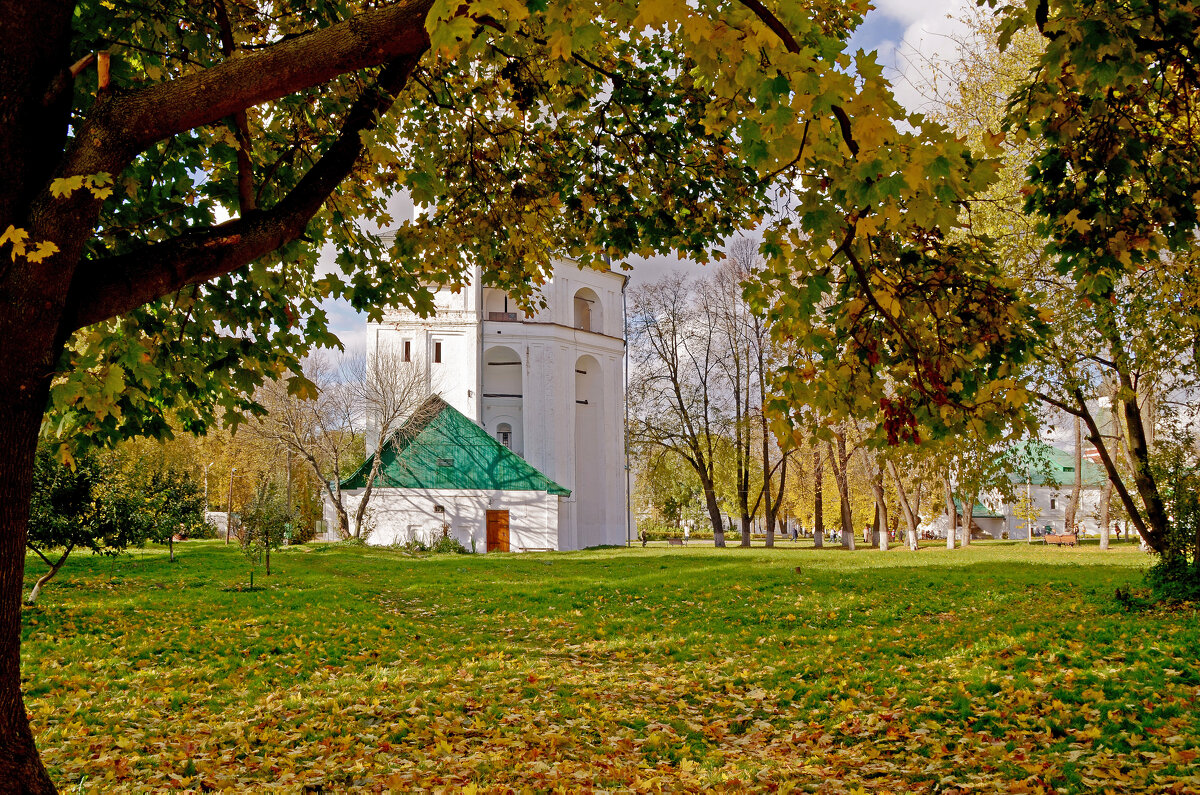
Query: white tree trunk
point(45, 578)
point(1105, 496)
point(951, 516)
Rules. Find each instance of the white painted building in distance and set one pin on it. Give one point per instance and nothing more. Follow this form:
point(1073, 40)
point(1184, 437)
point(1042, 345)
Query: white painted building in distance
point(548, 386)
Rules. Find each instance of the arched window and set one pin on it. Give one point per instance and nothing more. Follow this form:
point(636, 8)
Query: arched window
point(504, 434)
point(498, 306)
point(589, 314)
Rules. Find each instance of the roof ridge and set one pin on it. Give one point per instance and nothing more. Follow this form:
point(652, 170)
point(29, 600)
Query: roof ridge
point(473, 462)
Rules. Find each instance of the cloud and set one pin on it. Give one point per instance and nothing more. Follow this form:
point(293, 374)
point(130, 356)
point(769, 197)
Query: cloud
point(910, 36)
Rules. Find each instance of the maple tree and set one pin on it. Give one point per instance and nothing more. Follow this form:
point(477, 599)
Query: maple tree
point(529, 130)
point(131, 131)
point(1098, 109)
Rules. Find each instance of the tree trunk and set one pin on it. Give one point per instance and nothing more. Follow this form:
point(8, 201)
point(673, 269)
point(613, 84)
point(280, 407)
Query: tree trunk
point(881, 507)
point(1110, 466)
point(343, 518)
point(714, 514)
point(335, 497)
point(818, 499)
point(1143, 478)
point(361, 513)
point(171, 546)
point(841, 478)
point(1105, 497)
point(25, 386)
point(1077, 488)
point(951, 514)
point(881, 512)
point(229, 508)
point(769, 504)
point(968, 512)
point(910, 520)
point(775, 506)
point(49, 575)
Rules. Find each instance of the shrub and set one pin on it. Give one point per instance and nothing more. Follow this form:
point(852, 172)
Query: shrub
point(447, 545)
point(1176, 573)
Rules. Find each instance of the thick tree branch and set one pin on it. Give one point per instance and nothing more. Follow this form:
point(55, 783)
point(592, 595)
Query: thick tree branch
point(40, 554)
point(789, 41)
point(110, 287)
point(1058, 404)
point(130, 121)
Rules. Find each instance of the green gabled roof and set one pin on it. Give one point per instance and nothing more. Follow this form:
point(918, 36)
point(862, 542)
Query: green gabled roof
point(979, 511)
point(439, 448)
point(1040, 464)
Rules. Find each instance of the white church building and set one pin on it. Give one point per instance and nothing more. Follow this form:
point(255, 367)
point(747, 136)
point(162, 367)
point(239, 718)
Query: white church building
point(547, 387)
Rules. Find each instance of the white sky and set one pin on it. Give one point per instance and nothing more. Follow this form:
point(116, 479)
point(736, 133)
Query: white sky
point(903, 32)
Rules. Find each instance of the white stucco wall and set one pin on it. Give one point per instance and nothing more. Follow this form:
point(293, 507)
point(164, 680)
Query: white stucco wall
point(580, 447)
point(400, 515)
point(1087, 517)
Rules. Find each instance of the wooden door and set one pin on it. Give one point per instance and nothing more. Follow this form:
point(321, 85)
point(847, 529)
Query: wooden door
point(497, 531)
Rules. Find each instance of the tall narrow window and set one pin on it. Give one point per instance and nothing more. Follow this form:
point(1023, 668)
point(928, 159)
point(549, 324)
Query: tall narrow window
point(437, 353)
point(408, 350)
point(1052, 503)
point(504, 434)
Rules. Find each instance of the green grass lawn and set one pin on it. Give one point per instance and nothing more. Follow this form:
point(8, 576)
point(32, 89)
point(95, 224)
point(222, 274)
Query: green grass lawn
point(1001, 668)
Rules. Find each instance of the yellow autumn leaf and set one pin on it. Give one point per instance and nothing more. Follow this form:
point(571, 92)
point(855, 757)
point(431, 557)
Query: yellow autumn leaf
point(560, 44)
point(42, 250)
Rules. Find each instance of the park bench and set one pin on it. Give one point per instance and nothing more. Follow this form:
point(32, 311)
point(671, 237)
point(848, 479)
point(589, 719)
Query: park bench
point(1070, 539)
point(675, 542)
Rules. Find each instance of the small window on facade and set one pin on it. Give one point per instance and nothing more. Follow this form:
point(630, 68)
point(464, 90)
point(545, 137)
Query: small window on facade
point(437, 353)
point(439, 509)
point(1052, 503)
point(408, 350)
point(504, 434)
